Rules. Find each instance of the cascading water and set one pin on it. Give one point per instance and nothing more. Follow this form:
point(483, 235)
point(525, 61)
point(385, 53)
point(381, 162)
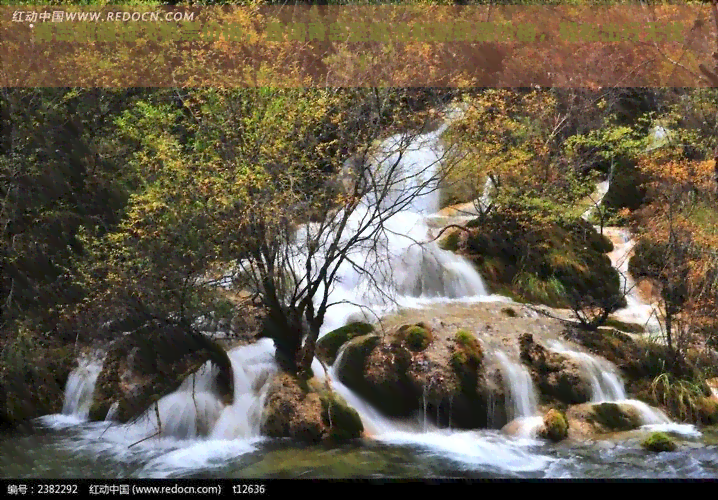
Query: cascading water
point(521, 405)
point(606, 386)
point(637, 310)
point(398, 263)
point(253, 366)
point(81, 386)
point(596, 198)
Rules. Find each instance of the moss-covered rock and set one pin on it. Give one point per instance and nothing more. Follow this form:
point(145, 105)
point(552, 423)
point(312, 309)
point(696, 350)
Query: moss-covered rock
point(659, 442)
point(561, 265)
point(329, 345)
point(558, 377)
point(607, 417)
point(555, 426)
point(351, 369)
point(308, 412)
point(152, 362)
point(400, 378)
point(290, 410)
point(342, 421)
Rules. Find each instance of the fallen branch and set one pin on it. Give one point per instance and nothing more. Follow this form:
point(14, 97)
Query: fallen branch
point(145, 439)
point(455, 226)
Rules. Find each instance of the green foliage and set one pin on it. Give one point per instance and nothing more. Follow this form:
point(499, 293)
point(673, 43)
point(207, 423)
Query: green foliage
point(659, 442)
point(683, 398)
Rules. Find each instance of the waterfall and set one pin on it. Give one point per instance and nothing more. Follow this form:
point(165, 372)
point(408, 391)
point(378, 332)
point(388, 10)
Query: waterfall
point(637, 310)
point(375, 424)
point(606, 386)
point(253, 367)
point(521, 406)
point(81, 387)
point(195, 410)
point(522, 396)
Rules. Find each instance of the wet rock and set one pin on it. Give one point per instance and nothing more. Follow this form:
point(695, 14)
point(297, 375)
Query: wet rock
point(606, 417)
point(292, 411)
point(401, 377)
point(557, 376)
point(330, 344)
point(659, 442)
point(152, 362)
point(555, 426)
point(308, 412)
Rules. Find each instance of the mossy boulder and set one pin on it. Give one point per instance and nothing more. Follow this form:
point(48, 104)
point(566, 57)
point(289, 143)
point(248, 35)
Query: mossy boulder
point(402, 374)
point(557, 264)
point(290, 410)
point(467, 357)
point(329, 345)
point(342, 421)
point(659, 442)
point(607, 417)
point(152, 362)
point(555, 426)
point(558, 377)
point(308, 412)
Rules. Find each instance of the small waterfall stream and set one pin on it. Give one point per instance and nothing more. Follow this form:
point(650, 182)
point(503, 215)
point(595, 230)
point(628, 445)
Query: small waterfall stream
point(521, 402)
point(81, 386)
point(607, 386)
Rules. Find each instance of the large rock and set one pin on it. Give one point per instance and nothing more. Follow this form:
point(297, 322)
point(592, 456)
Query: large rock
point(152, 362)
point(557, 376)
point(306, 412)
point(410, 371)
point(607, 417)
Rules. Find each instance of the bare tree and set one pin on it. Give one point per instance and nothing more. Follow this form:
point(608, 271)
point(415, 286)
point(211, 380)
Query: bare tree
point(295, 264)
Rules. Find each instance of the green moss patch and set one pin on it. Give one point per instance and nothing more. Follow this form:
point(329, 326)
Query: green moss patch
point(329, 345)
point(659, 442)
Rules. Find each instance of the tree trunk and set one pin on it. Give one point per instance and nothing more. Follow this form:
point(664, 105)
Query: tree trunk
point(669, 325)
point(307, 354)
point(287, 334)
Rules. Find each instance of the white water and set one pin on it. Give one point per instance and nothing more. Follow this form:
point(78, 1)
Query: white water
point(399, 264)
point(521, 405)
point(81, 386)
point(607, 386)
point(637, 310)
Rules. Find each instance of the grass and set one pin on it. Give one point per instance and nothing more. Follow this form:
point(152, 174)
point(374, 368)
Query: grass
point(550, 292)
point(681, 397)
